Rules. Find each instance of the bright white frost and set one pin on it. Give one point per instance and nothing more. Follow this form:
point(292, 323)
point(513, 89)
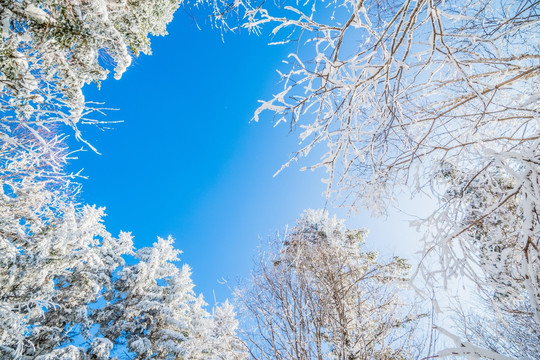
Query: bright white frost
point(437, 97)
point(316, 294)
point(65, 291)
point(55, 262)
point(64, 285)
point(155, 312)
point(51, 49)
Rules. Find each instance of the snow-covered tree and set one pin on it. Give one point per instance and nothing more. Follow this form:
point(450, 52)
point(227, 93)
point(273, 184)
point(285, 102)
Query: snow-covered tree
point(224, 340)
point(509, 333)
point(55, 262)
point(65, 292)
point(491, 242)
point(49, 51)
point(156, 314)
point(52, 48)
point(318, 295)
point(399, 92)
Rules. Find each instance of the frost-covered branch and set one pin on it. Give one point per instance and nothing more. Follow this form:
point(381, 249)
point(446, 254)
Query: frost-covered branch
point(432, 97)
point(316, 294)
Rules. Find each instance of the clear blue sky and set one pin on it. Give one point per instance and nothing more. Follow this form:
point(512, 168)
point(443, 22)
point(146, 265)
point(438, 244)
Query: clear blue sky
point(187, 162)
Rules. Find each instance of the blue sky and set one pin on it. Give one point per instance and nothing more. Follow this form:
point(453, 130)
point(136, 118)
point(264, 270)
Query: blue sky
point(187, 162)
